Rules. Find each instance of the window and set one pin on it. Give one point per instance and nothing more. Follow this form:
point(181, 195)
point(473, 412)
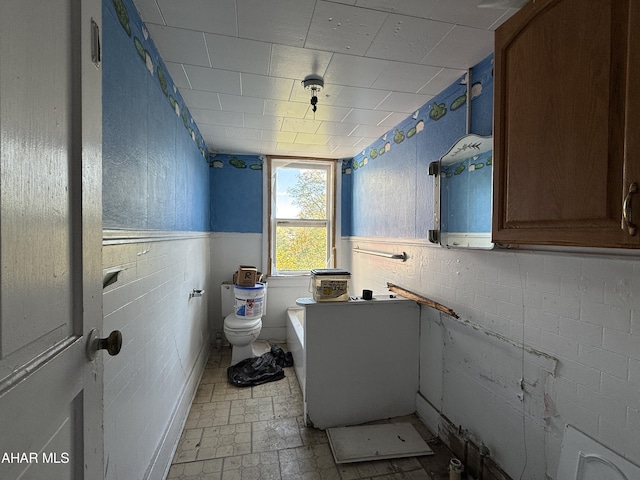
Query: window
point(301, 215)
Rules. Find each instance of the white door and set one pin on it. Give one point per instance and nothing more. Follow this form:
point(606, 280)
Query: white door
point(51, 240)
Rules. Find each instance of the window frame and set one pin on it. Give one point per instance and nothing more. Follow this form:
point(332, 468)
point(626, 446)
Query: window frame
point(269, 225)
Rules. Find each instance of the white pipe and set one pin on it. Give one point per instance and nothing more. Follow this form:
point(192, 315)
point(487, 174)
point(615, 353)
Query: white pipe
point(455, 469)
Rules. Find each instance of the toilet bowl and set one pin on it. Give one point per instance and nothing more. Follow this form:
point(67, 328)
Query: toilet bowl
point(242, 309)
point(241, 333)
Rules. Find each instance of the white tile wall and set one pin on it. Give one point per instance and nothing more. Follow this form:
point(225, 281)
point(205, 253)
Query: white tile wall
point(165, 342)
point(228, 250)
point(582, 309)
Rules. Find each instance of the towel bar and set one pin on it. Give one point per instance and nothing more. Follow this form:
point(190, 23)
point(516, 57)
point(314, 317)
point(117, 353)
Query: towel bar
point(398, 256)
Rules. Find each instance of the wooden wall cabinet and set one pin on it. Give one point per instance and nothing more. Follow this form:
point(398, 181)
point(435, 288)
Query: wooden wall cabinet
point(567, 124)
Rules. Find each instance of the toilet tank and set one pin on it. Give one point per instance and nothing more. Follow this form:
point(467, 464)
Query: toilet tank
point(226, 299)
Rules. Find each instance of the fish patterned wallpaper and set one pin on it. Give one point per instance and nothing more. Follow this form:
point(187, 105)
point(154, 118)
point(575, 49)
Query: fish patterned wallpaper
point(393, 194)
point(155, 163)
point(236, 193)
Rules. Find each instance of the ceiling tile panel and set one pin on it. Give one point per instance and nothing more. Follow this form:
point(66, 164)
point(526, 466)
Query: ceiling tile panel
point(413, 77)
point(327, 112)
point(179, 45)
point(380, 60)
point(465, 12)
point(393, 119)
point(149, 11)
point(300, 125)
point(264, 146)
point(285, 109)
point(262, 122)
point(343, 28)
point(216, 117)
point(297, 63)
point(403, 102)
point(359, 97)
point(286, 137)
point(365, 142)
point(215, 131)
point(304, 150)
point(239, 54)
point(201, 100)
point(341, 129)
point(442, 80)
point(407, 39)
point(176, 71)
point(340, 140)
point(353, 71)
point(342, 153)
point(285, 22)
point(462, 48)
point(369, 131)
point(244, 133)
point(204, 15)
point(366, 117)
point(266, 87)
point(414, 8)
point(245, 146)
point(238, 103)
point(311, 139)
point(213, 79)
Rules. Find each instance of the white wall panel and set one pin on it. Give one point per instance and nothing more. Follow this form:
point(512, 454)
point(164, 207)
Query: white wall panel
point(578, 308)
point(166, 340)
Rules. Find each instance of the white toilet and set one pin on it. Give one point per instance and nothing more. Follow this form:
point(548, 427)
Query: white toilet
point(242, 328)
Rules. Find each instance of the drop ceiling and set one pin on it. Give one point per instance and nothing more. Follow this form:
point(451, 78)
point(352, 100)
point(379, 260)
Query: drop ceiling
point(239, 66)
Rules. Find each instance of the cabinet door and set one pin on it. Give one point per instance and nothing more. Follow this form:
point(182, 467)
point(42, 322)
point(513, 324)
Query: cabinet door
point(561, 82)
point(632, 127)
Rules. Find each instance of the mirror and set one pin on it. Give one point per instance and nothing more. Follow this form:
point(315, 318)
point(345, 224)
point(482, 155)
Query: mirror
point(463, 192)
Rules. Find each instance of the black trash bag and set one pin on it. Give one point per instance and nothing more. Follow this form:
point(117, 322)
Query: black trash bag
point(268, 367)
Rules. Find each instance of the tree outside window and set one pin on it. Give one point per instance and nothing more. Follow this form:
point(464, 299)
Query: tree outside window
point(303, 206)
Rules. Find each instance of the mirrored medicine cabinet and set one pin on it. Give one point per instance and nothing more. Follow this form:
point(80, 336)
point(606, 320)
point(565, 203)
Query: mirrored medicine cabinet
point(463, 194)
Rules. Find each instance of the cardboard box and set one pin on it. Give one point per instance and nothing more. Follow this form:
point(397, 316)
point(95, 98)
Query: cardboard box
point(245, 276)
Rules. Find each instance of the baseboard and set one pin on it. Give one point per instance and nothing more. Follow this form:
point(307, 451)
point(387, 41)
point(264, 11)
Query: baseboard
point(429, 415)
point(161, 462)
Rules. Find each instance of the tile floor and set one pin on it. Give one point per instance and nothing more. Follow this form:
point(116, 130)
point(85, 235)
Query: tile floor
point(258, 433)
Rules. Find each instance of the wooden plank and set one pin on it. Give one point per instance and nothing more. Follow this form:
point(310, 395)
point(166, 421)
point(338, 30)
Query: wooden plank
point(421, 299)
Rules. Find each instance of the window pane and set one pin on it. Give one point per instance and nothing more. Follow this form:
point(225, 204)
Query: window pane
point(301, 248)
point(301, 193)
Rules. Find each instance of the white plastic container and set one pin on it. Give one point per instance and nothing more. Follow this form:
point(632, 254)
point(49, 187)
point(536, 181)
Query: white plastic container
point(330, 285)
point(249, 301)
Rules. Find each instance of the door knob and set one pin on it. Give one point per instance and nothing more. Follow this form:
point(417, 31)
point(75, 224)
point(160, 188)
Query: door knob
point(112, 344)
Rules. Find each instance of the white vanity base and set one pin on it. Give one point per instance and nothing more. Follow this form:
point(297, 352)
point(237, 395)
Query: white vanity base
point(361, 360)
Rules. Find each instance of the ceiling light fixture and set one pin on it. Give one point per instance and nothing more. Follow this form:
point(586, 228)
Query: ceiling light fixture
point(315, 84)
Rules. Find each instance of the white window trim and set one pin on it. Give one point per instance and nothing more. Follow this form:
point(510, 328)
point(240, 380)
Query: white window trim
point(268, 222)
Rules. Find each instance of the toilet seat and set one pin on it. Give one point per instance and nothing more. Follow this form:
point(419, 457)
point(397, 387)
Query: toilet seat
point(241, 333)
point(233, 323)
